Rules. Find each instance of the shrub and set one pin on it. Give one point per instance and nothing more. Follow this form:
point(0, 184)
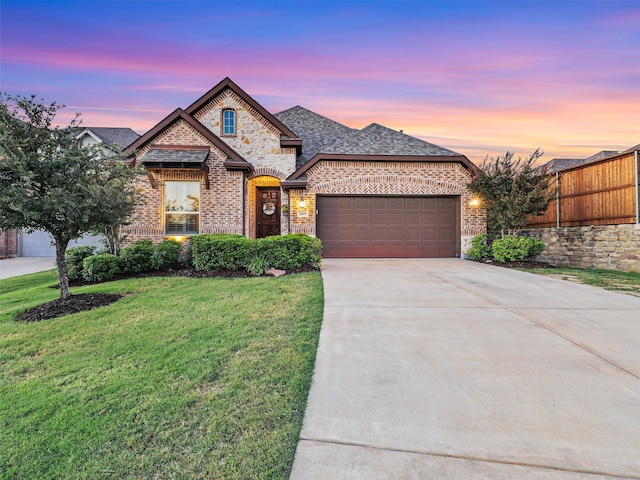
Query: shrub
point(74, 258)
point(514, 249)
point(136, 257)
point(257, 266)
point(220, 251)
point(290, 252)
point(535, 247)
point(99, 268)
point(233, 252)
point(165, 255)
point(480, 248)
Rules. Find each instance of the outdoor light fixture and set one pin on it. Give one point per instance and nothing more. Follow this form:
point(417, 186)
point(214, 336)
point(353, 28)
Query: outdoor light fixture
point(178, 238)
point(474, 202)
point(302, 204)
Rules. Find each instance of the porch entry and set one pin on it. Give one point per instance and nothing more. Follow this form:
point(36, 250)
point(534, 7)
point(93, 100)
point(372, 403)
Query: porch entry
point(267, 211)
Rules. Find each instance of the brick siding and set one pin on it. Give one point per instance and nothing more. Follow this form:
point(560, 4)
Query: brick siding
point(8, 243)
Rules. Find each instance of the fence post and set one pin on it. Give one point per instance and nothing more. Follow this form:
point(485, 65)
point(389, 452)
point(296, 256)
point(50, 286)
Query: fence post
point(635, 155)
point(558, 223)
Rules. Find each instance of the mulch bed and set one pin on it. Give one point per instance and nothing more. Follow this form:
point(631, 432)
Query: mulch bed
point(73, 304)
point(522, 264)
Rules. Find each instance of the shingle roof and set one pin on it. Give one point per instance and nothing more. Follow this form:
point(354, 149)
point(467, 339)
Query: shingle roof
point(119, 136)
point(557, 164)
point(320, 134)
point(175, 155)
point(317, 132)
point(376, 139)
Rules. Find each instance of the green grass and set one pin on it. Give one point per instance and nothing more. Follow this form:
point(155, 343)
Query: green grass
point(625, 282)
point(182, 378)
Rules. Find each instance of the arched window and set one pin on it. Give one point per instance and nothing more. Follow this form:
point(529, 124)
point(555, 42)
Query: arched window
point(228, 122)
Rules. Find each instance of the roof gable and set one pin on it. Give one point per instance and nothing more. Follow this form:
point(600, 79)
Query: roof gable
point(177, 115)
point(227, 83)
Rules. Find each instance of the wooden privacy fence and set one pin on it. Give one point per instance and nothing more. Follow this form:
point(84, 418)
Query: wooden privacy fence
point(599, 193)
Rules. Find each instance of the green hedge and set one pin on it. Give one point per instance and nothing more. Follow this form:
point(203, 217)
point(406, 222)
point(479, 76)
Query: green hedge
point(235, 252)
point(100, 268)
point(75, 257)
point(136, 257)
point(514, 249)
point(219, 251)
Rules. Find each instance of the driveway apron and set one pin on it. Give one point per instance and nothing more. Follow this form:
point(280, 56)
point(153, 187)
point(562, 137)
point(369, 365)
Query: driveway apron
point(445, 368)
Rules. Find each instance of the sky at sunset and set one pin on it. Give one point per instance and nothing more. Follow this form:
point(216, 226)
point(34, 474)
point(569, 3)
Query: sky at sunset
point(476, 77)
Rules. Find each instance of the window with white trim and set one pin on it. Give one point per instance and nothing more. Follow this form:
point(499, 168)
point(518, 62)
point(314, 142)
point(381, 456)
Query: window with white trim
point(228, 122)
point(181, 208)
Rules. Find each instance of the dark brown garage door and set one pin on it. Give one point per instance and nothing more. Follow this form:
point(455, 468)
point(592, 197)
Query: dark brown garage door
point(379, 227)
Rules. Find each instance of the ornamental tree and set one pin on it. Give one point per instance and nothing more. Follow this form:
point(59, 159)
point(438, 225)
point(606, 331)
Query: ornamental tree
point(512, 190)
point(50, 182)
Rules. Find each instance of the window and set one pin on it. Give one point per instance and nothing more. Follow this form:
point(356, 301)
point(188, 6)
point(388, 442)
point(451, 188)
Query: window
point(228, 122)
point(181, 208)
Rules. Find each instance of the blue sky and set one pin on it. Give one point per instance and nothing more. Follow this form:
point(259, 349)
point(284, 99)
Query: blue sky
point(477, 77)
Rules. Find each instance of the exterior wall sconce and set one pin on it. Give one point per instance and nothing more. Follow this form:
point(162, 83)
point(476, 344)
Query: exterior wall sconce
point(474, 202)
point(302, 204)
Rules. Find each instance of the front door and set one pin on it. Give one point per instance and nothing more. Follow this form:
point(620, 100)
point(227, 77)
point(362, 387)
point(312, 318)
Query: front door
point(267, 211)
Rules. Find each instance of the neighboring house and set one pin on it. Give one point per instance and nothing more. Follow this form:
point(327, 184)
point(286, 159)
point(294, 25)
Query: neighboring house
point(557, 164)
point(38, 243)
point(226, 165)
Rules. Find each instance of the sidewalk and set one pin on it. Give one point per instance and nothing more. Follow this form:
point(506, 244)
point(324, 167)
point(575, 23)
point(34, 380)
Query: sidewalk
point(14, 267)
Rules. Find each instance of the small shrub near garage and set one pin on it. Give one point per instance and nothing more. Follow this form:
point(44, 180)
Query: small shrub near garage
point(100, 268)
point(290, 252)
point(480, 248)
point(166, 255)
point(75, 257)
point(512, 248)
point(136, 258)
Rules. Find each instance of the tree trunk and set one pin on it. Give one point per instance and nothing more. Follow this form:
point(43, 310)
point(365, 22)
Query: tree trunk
point(63, 273)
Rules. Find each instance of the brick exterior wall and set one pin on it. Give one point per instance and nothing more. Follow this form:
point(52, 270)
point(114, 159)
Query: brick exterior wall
point(8, 243)
point(387, 178)
point(228, 206)
point(221, 206)
point(611, 247)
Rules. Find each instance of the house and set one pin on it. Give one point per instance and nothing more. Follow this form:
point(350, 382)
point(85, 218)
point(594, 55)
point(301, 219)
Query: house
point(557, 164)
point(225, 164)
point(38, 243)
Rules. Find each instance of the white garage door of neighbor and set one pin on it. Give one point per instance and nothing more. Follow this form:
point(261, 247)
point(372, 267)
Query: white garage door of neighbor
point(38, 244)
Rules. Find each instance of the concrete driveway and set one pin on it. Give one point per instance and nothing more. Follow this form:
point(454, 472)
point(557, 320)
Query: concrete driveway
point(449, 369)
point(14, 267)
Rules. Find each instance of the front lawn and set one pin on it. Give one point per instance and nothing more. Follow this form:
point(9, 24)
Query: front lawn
point(624, 282)
point(181, 378)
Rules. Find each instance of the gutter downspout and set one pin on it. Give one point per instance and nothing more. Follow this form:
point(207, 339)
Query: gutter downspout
point(635, 154)
point(558, 199)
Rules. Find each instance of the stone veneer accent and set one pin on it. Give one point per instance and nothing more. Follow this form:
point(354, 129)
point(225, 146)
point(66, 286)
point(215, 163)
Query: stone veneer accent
point(387, 178)
point(256, 139)
point(611, 247)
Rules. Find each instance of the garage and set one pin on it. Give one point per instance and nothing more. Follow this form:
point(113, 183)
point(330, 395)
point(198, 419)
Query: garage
point(38, 244)
point(388, 226)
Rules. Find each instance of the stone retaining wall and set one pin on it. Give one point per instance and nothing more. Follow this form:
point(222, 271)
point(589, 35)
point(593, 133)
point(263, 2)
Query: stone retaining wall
point(612, 247)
